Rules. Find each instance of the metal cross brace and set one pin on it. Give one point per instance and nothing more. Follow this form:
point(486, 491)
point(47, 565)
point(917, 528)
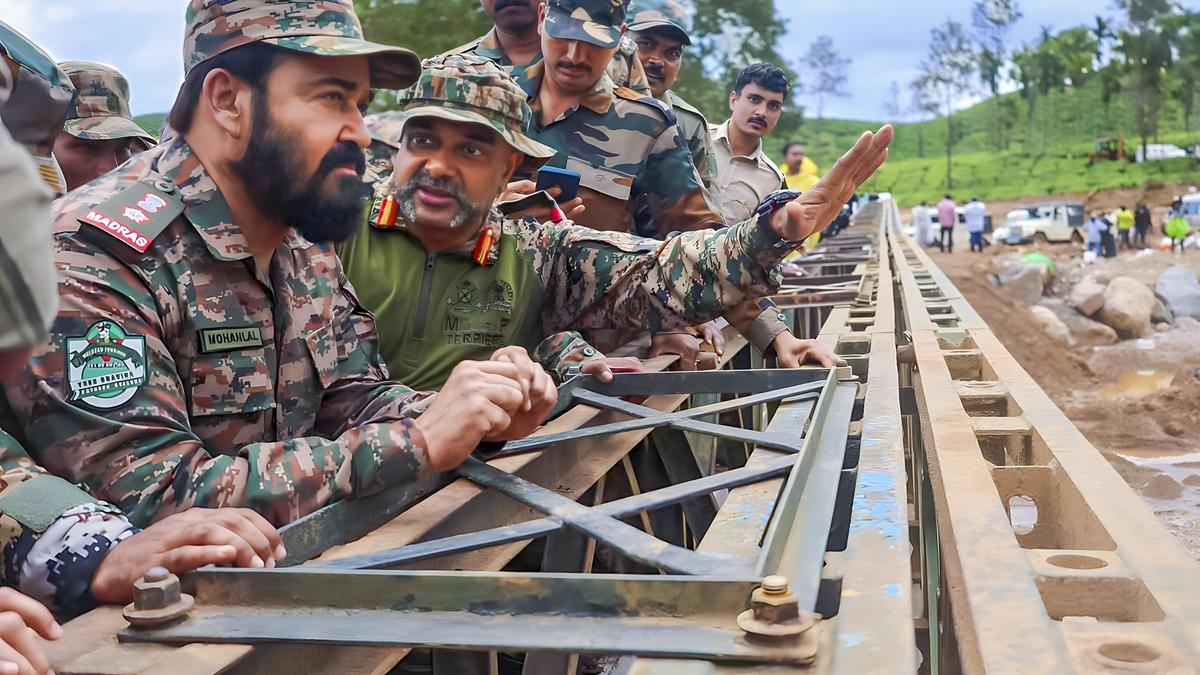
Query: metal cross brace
point(765, 386)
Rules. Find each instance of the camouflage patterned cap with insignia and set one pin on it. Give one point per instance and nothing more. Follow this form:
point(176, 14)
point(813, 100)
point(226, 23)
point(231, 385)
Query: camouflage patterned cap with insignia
point(101, 109)
point(322, 27)
point(596, 22)
point(648, 14)
point(469, 88)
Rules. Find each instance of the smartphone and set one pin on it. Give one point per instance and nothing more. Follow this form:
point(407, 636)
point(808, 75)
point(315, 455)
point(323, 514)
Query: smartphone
point(565, 179)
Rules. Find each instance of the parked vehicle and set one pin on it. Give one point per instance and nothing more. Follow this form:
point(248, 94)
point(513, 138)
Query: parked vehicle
point(1046, 222)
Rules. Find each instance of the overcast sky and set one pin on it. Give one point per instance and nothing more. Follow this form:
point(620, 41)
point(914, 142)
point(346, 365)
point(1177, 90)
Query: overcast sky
point(886, 39)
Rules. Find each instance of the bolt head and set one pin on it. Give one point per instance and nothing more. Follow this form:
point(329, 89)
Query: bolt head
point(156, 574)
point(775, 583)
point(156, 591)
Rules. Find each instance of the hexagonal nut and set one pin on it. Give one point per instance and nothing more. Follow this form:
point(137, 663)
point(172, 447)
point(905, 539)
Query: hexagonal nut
point(774, 607)
point(156, 591)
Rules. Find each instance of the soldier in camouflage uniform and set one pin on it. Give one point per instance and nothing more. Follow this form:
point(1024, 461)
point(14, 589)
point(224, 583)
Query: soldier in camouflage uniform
point(100, 131)
point(207, 351)
point(513, 43)
point(384, 128)
point(456, 280)
point(59, 544)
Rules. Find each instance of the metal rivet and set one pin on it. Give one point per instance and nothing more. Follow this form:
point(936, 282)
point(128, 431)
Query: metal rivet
point(165, 186)
point(775, 584)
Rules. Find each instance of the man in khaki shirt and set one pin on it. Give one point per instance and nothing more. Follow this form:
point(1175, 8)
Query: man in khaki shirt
point(745, 175)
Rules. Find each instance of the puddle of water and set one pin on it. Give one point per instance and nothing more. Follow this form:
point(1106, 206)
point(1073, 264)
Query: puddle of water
point(1179, 467)
point(1137, 384)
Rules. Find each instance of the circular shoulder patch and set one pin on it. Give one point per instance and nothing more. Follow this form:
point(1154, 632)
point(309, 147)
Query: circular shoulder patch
point(105, 367)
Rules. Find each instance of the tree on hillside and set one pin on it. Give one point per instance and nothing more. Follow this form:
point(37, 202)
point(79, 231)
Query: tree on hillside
point(991, 21)
point(892, 110)
point(1147, 51)
point(728, 35)
point(825, 74)
point(925, 101)
point(945, 75)
point(1183, 31)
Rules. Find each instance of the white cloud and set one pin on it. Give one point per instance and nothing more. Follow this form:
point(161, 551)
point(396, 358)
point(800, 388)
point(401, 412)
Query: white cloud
point(141, 38)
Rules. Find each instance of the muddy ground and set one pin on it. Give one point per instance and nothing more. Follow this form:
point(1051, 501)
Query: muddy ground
point(1151, 437)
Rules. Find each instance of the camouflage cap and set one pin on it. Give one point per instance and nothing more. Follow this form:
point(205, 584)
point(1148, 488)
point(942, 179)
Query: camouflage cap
point(385, 127)
point(648, 14)
point(469, 88)
point(101, 109)
point(323, 27)
point(596, 22)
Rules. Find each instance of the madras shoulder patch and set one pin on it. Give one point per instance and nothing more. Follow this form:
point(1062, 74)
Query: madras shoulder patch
point(229, 339)
point(137, 214)
point(105, 367)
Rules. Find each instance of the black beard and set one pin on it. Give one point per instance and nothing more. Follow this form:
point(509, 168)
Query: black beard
point(274, 178)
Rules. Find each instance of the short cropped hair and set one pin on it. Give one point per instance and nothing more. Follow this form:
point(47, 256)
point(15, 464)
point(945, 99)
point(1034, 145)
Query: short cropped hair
point(788, 146)
point(764, 75)
point(250, 63)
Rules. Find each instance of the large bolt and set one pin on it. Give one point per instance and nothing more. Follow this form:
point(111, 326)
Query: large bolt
point(157, 599)
point(774, 611)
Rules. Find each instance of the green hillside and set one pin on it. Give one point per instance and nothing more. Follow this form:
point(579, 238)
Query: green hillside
point(152, 123)
point(1043, 153)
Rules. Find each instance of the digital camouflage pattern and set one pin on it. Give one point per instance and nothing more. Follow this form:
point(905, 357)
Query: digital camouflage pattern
point(624, 69)
point(547, 279)
point(53, 535)
point(322, 27)
point(101, 108)
point(596, 22)
point(385, 128)
point(636, 171)
point(286, 409)
point(471, 89)
point(647, 14)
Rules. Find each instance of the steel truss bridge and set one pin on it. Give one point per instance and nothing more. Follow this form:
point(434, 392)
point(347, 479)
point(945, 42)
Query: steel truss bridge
point(924, 509)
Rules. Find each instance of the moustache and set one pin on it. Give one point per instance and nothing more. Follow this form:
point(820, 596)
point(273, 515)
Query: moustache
point(656, 72)
point(340, 155)
point(424, 179)
point(758, 120)
point(567, 65)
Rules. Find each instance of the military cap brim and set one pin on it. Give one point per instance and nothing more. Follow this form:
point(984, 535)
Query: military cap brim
point(391, 67)
point(563, 26)
point(536, 154)
point(680, 33)
point(106, 128)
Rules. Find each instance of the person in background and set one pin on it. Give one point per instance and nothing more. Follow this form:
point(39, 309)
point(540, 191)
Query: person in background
point(1095, 227)
point(975, 214)
point(1141, 224)
point(1124, 218)
point(947, 215)
point(745, 176)
point(799, 171)
point(920, 223)
point(1177, 227)
point(99, 134)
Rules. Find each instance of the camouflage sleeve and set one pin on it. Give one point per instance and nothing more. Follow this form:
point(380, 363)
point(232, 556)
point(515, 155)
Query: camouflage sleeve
point(597, 280)
point(143, 455)
point(53, 535)
point(625, 69)
point(562, 350)
point(670, 194)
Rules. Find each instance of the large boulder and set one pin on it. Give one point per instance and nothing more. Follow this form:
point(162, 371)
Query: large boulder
point(1087, 296)
point(1084, 331)
point(1128, 304)
point(1023, 283)
point(1054, 326)
point(1180, 290)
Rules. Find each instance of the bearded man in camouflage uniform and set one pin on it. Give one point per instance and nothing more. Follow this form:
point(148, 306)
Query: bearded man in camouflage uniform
point(208, 350)
point(58, 544)
point(100, 133)
point(455, 279)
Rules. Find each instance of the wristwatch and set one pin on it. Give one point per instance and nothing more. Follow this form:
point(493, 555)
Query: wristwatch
point(772, 203)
